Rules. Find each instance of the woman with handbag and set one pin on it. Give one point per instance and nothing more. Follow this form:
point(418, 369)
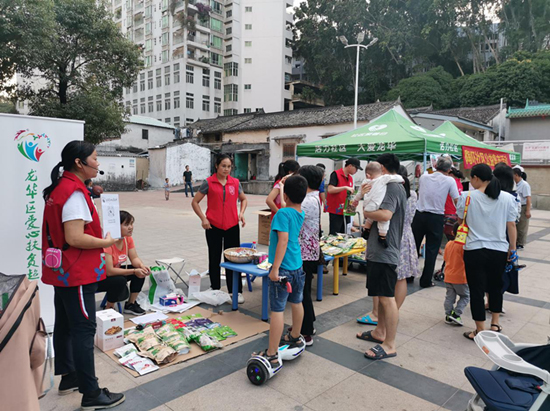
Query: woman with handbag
point(119, 272)
point(309, 243)
point(486, 214)
point(74, 264)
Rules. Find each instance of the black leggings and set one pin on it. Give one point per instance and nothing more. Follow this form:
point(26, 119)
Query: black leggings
point(116, 288)
point(484, 270)
point(73, 334)
point(219, 240)
point(310, 268)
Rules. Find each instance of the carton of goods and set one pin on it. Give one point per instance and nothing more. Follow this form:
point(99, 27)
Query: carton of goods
point(110, 330)
point(171, 300)
point(264, 226)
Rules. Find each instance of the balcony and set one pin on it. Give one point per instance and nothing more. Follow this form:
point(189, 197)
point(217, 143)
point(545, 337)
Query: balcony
point(199, 42)
point(178, 53)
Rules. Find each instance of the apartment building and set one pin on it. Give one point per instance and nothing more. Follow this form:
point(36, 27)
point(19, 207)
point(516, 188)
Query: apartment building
point(205, 58)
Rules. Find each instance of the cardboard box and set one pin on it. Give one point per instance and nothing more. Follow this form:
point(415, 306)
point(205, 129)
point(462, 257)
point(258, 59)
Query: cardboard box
point(264, 226)
point(110, 330)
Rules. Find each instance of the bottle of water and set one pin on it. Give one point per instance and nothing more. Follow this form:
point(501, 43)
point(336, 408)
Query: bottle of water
point(254, 245)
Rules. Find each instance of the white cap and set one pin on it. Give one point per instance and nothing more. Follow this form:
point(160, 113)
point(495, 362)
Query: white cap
point(519, 167)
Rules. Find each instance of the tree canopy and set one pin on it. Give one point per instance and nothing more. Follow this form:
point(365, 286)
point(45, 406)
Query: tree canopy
point(83, 62)
point(424, 45)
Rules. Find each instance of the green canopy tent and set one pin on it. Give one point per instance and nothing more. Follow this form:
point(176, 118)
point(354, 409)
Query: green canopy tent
point(390, 133)
point(451, 132)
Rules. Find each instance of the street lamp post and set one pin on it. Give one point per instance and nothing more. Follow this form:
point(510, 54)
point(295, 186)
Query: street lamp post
point(360, 38)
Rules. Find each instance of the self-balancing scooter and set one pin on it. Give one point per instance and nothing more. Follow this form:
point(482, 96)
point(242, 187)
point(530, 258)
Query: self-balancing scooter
point(259, 369)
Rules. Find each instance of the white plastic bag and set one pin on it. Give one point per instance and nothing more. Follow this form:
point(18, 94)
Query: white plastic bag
point(213, 297)
point(161, 284)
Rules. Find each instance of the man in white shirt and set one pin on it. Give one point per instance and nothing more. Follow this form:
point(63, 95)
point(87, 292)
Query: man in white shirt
point(433, 190)
point(523, 189)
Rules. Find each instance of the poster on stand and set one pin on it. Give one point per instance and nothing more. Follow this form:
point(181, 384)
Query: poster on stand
point(110, 212)
point(31, 147)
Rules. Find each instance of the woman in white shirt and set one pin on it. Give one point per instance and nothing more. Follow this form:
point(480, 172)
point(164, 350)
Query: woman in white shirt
point(491, 213)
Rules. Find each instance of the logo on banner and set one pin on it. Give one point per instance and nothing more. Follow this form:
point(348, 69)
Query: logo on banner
point(378, 127)
point(31, 145)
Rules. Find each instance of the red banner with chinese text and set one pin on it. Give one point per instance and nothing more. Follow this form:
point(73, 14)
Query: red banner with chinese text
point(474, 155)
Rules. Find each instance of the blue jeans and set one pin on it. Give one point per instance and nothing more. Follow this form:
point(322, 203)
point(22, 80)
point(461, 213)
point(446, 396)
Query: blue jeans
point(278, 295)
point(190, 185)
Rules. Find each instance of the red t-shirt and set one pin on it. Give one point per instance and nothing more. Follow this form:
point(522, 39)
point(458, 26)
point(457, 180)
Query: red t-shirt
point(449, 204)
point(121, 256)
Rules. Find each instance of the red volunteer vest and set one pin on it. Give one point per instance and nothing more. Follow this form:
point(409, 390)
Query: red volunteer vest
point(222, 214)
point(79, 267)
point(335, 202)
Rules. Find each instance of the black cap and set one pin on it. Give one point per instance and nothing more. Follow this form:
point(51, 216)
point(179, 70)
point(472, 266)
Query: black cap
point(354, 162)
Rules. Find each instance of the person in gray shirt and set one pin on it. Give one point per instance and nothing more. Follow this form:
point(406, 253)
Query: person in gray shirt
point(382, 263)
point(428, 221)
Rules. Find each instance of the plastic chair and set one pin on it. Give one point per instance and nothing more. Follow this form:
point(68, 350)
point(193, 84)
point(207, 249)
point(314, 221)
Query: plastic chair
point(249, 278)
point(104, 303)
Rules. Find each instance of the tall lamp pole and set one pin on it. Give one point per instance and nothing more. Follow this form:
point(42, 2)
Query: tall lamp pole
point(360, 38)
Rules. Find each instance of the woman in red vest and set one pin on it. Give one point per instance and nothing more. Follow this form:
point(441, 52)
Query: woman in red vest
point(71, 228)
point(222, 218)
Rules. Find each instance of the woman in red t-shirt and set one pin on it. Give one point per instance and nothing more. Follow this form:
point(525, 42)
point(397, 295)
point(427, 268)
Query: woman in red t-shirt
point(123, 265)
point(274, 198)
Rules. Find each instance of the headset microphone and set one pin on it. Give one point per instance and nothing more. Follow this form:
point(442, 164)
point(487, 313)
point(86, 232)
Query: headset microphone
point(97, 169)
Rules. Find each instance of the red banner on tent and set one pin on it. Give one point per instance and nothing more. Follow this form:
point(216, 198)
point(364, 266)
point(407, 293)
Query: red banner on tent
point(474, 155)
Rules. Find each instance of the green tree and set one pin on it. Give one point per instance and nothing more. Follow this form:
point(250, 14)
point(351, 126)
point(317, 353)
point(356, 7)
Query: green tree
point(526, 24)
point(419, 91)
point(85, 58)
point(24, 28)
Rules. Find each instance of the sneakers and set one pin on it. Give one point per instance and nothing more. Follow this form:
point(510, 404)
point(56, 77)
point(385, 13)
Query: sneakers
point(104, 400)
point(240, 298)
point(133, 308)
point(453, 319)
point(68, 384)
point(309, 340)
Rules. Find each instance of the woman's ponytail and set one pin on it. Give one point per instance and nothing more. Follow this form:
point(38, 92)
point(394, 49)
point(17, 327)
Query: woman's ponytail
point(280, 171)
point(55, 180)
point(493, 189)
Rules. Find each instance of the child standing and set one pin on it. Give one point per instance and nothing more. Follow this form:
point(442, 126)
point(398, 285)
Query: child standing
point(455, 281)
point(285, 255)
point(375, 196)
point(166, 189)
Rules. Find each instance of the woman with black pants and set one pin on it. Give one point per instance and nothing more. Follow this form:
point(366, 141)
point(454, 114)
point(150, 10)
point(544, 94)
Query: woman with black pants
point(222, 219)
point(490, 214)
point(71, 228)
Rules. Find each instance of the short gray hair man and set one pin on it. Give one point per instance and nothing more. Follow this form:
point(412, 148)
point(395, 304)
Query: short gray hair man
point(444, 164)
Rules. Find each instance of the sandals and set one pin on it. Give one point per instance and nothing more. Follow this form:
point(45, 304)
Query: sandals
point(467, 334)
point(497, 326)
point(367, 336)
point(273, 359)
point(289, 340)
point(367, 320)
point(379, 353)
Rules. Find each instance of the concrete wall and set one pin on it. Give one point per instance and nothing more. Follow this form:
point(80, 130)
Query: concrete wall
point(157, 167)
point(253, 136)
point(178, 156)
point(120, 173)
point(133, 137)
point(263, 157)
point(534, 128)
point(142, 169)
point(538, 177)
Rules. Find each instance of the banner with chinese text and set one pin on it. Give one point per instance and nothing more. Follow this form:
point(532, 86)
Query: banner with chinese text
point(31, 147)
point(474, 155)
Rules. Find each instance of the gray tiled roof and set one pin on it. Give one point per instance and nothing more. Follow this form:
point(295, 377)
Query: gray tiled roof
point(295, 118)
point(481, 114)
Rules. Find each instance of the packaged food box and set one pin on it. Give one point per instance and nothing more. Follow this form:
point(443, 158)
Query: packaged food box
point(110, 330)
point(170, 300)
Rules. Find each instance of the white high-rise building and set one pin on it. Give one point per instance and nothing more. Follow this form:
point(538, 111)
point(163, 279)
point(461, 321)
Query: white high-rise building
point(230, 57)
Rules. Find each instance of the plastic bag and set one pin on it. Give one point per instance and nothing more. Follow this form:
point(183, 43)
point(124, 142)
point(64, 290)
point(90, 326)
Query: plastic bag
point(213, 297)
point(161, 284)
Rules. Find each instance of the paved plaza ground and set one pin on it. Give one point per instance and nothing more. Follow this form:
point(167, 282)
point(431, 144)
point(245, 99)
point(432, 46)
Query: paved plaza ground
point(427, 374)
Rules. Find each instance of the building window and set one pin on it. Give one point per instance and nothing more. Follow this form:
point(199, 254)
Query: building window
point(142, 108)
point(159, 105)
point(134, 88)
point(289, 151)
point(189, 77)
point(167, 79)
point(228, 48)
point(142, 86)
point(176, 77)
point(165, 56)
point(248, 44)
point(248, 9)
point(206, 77)
point(167, 120)
point(134, 110)
point(216, 59)
point(216, 25)
point(248, 26)
point(248, 110)
point(230, 112)
point(216, 7)
point(159, 81)
point(167, 104)
point(288, 59)
point(247, 61)
point(144, 134)
point(205, 103)
point(149, 84)
point(229, 13)
point(150, 106)
point(164, 39)
point(231, 92)
point(217, 42)
point(248, 86)
point(164, 21)
point(229, 30)
point(128, 90)
point(176, 102)
point(217, 83)
point(217, 107)
point(231, 69)
point(189, 121)
point(176, 121)
point(189, 101)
